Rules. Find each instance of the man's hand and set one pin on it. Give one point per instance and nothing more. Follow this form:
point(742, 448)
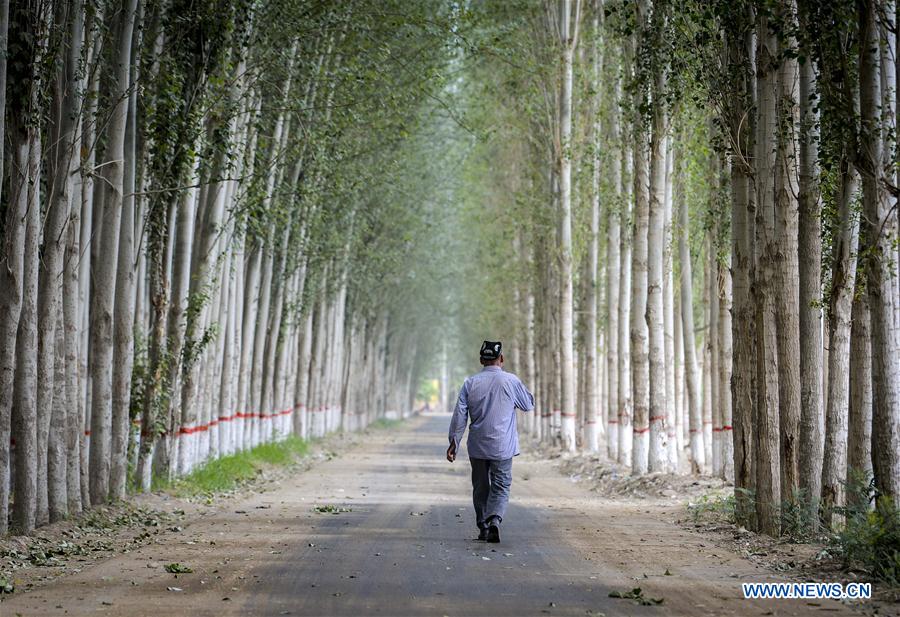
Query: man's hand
point(451, 453)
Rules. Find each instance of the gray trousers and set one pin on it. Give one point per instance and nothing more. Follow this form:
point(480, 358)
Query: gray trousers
point(490, 488)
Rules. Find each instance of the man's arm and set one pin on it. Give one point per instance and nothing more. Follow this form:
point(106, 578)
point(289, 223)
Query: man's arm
point(458, 422)
point(522, 398)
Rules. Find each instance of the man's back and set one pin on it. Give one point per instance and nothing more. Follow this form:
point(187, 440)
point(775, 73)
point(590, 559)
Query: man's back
point(489, 400)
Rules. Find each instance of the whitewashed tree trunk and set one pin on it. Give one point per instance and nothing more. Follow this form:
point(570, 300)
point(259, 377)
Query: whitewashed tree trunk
point(625, 387)
point(673, 451)
point(695, 417)
point(613, 299)
point(711, 370)
point(568, 33)
point(640, 367)
point(658, 457)
point(592, 400)
point(724, 288)
point(682, 424)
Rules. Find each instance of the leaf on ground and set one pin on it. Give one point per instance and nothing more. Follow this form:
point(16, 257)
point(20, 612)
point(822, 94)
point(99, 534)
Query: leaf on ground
point(330, 509)
point(637, 595)
point(177, 568)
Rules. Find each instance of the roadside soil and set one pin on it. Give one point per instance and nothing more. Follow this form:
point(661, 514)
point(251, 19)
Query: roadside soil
point(387, 528)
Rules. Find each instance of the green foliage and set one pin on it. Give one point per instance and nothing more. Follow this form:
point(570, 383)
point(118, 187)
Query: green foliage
point(637, 595)
point(870, 536)
point(177, 568)
point(230, 472)
point(384, 423)
point(428, 389)
point(713, 507)
point(330, 509)
point(799, 521)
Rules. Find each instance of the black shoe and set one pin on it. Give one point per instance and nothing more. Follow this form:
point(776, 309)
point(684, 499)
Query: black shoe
point(483, 534)
point(493, 532)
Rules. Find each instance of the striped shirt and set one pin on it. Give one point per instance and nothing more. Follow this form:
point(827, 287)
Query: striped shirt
point(488, 400)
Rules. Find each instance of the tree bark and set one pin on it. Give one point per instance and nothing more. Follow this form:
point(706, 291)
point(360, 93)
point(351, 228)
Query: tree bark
point(613, 297)
point(625, 387)
point(11, 255)
point(568, 33)
point(812, 422)
point(879, 230)
point(123, 311)
point(655, 319)
point(592, 367)
point(741, 54)
point(840, 302)
point(103, 296)
point(695, 418)
point(64, 111)
point(786, 260)
point(859, 437)
point(766, 422)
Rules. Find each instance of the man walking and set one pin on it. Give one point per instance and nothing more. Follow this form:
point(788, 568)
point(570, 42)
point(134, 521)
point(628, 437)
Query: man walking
point(489, 399)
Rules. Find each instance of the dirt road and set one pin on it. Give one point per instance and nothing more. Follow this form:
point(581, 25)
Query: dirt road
point(406, 547)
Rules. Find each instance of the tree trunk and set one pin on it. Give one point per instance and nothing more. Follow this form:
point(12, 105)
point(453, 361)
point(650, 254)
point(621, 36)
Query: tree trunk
point(743, 234)
point(568, 33)
point(640, 367)
point(592, 367)
point(24, 410)
point(669, 317)
point(625, 389)
point(712, 393)
point(103, 298)
point(843, 283)
point(879, 231)
point(61, 134)
point(11, 265)
point(725, 366)
point(766, 447)
point(124, 311)
point(57, 495)
point(613, 298)
point(786, 261)
point(859, 437)
point(655, 319)
point(695, 418)
point(810, 250)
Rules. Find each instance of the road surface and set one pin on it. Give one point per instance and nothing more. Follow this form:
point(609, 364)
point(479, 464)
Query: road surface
point(406, 547)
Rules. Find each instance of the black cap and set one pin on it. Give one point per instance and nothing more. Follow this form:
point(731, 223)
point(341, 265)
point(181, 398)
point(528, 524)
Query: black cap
point(490, 350)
